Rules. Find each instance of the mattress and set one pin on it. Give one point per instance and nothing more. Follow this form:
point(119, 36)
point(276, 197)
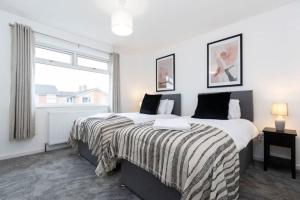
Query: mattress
point(137, 117)
point(242, 131)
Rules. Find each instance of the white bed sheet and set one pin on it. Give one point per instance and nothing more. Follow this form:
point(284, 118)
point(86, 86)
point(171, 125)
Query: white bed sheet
point(242, 131)
point(138, 117)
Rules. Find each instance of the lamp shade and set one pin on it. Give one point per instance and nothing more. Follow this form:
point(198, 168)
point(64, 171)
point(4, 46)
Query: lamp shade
point(279, 109)
point(121, 23)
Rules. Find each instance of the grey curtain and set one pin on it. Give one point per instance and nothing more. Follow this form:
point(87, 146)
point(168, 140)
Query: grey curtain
point(115, 82)
point(22, 120)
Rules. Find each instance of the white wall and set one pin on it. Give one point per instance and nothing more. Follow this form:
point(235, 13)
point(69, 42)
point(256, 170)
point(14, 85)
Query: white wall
point(271, 68)
point(36, 144)
point(137, 76)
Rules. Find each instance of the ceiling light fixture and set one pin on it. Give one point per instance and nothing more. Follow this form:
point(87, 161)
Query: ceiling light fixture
point(122, 21)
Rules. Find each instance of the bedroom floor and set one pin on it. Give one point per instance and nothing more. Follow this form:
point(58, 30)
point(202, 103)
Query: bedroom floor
point(63, 175)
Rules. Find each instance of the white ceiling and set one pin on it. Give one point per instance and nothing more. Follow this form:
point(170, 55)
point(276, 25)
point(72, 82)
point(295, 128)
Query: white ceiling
point(157, 23)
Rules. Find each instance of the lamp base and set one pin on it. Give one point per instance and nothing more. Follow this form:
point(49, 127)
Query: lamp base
point(280, 125)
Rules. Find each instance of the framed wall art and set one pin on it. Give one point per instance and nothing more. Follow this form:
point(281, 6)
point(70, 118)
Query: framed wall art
point(225, 62)
point(165, 73)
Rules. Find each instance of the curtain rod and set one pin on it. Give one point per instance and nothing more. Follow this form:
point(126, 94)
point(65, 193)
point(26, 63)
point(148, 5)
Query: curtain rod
point(11, 25)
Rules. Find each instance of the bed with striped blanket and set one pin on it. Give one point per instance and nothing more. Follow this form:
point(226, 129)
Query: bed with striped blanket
point(200, 163)
point(97, 132)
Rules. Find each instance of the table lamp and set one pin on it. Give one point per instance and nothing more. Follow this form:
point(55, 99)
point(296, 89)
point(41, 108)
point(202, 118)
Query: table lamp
point(280, 110)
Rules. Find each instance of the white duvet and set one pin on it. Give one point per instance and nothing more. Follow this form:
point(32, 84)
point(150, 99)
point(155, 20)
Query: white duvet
point(240, 130)
point(138, 117)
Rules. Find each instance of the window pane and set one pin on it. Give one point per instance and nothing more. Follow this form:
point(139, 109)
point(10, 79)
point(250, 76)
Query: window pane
point(58, 85)
point(53, 55)
point(85, 62)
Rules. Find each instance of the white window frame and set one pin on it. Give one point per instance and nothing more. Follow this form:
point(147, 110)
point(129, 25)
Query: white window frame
point(74, 54)
point(92, 58)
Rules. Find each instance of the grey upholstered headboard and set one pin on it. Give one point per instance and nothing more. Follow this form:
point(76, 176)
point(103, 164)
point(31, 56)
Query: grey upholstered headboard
point(246, 103)
point(177, 102)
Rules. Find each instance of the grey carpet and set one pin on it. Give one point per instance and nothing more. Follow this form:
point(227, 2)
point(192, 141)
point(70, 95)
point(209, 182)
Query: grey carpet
point(63, 175)
point(57, 175)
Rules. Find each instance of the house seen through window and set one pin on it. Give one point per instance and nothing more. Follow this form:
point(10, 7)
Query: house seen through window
point(68, 78)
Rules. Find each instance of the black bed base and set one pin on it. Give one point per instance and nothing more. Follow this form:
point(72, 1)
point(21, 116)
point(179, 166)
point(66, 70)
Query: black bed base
point(84, 151)
point(246, 157)
point(147, 186)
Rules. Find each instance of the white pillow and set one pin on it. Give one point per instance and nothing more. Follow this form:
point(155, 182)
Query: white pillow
point(162, 108)
point(234, 111)
point(170, 107)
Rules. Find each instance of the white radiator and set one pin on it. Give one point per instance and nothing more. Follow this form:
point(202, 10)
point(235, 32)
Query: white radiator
point(60, 124)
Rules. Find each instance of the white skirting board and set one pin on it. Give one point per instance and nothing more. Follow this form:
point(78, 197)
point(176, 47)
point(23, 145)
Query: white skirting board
point(40, 150)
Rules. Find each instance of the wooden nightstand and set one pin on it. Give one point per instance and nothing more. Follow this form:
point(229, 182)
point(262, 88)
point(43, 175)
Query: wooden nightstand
point(283, 139)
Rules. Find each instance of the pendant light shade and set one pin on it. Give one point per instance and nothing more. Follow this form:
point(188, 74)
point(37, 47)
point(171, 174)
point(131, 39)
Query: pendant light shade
point(121, 23)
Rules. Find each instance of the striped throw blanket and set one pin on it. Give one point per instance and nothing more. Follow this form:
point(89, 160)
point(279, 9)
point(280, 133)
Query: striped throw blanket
point(201, 163)
point(96, 132)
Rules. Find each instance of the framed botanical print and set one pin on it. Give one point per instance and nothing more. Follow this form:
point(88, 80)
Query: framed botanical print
point(225, 62)
point(165, 73)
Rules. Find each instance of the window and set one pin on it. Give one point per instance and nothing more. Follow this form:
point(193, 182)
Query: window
point(85, 62)
point(86, 99)
point(53, 55)
point(70, 100)
point(64, 78)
